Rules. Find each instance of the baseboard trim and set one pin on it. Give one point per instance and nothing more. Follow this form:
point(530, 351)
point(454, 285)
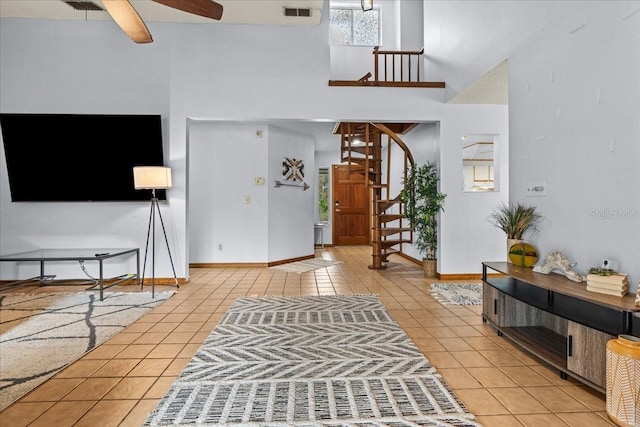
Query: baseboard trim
point(129, 282)
point(286, 261)
point(409, 258)
point(247, 264)
point(454, 276)
point(228, 264)
point(461, 276)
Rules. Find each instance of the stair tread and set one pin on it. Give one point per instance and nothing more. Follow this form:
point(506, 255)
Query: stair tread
point(391, 231)
point(359, 149)
point(386, 252)
point(392, 215)
point(392, 242)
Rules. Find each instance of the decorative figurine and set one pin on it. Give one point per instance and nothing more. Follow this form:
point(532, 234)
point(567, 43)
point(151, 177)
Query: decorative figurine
point(557, 261)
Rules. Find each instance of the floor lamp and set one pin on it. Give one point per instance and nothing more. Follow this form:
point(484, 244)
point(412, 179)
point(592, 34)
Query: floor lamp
point(153, 178)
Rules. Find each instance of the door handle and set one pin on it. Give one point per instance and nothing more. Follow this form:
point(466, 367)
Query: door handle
point(337, 210)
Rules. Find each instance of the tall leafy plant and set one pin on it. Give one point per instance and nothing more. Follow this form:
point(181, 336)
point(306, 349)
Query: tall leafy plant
point(423, 202)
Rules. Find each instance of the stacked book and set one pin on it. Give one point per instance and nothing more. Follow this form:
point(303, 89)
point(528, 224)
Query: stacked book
point(614, 284)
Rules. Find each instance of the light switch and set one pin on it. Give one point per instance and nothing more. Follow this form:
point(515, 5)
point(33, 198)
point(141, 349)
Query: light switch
point(258, 180)
point(537, 189)
point(246, 199)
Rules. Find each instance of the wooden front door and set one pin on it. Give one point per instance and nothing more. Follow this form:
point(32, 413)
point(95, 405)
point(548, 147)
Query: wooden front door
point(351, 216)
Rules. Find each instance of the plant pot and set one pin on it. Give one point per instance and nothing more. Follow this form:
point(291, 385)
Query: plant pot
point(430, 267)
point(511, 242)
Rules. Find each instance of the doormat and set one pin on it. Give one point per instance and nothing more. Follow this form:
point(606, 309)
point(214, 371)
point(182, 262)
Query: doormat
point(457, 293)
point(338, 360)
point(42, 333)
point(305, 265)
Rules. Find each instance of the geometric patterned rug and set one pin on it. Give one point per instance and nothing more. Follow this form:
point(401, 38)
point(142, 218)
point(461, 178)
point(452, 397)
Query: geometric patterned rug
point(457, 293)
point(309, 361)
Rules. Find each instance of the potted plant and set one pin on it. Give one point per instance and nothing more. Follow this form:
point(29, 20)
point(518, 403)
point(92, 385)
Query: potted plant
point(423, 202)
point(514, 219)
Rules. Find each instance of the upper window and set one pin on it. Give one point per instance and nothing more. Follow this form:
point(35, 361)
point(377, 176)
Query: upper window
point(353, 27)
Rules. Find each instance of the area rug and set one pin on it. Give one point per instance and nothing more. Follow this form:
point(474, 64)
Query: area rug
point(42, 333)
point(305, 265)
point(309, 361)
point(457, 293)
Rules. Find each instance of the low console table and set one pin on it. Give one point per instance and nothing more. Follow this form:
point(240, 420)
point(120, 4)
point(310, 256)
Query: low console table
point(80, 255)
point(556, 319)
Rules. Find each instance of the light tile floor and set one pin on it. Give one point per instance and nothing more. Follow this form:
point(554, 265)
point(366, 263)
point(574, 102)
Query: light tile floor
point(120, 382)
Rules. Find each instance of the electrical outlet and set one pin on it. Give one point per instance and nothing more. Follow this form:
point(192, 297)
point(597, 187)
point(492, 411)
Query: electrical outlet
point(610, 264)
point(537, 189)
point(219, 246)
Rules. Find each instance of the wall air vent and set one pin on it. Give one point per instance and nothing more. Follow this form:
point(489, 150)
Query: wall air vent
point(291, 11)
point(83, 5)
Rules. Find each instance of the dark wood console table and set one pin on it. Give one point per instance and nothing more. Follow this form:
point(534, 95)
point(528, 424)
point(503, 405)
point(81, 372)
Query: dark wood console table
point(80, 255)
point(556, 319)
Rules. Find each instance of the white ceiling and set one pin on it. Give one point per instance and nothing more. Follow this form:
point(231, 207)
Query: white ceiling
point(234, 11)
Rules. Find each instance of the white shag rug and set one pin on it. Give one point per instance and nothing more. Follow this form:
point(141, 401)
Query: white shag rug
point(42, 333)
point(305, 265)
point(457, 293)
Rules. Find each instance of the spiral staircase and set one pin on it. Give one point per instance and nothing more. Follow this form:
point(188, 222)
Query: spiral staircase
point(378, 148)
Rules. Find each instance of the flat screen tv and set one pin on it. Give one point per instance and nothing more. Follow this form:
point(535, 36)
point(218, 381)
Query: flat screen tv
point(79, 157)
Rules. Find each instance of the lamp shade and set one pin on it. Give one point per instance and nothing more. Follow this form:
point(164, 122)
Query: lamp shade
point(151, 177)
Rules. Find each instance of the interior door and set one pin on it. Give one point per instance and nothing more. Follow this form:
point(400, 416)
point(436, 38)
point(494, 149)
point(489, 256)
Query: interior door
point(351, 216)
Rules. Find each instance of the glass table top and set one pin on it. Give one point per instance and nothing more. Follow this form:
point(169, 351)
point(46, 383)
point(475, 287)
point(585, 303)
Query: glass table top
point(66, 254)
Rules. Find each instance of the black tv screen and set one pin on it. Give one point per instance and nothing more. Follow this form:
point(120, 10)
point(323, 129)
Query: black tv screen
point(79, 157)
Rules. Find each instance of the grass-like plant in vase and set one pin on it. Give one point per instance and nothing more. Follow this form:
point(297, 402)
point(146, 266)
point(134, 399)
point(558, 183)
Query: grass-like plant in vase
point(515, 219)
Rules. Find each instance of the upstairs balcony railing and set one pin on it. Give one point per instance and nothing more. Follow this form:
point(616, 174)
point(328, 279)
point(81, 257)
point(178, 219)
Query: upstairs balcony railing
point(393, 68)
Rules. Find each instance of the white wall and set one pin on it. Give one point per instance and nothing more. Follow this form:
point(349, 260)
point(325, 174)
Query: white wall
point(575, 124)
point(223, 160)
point(191, 72)
point(465, 218)
point(464, 40)
point(79, 67)
point(290, 208)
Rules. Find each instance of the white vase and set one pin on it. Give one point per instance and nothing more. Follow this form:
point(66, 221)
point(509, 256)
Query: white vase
point(510, 243)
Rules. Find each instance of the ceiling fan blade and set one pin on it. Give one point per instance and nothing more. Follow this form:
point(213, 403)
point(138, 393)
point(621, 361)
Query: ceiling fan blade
point(128, 19)
point(207, 8)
